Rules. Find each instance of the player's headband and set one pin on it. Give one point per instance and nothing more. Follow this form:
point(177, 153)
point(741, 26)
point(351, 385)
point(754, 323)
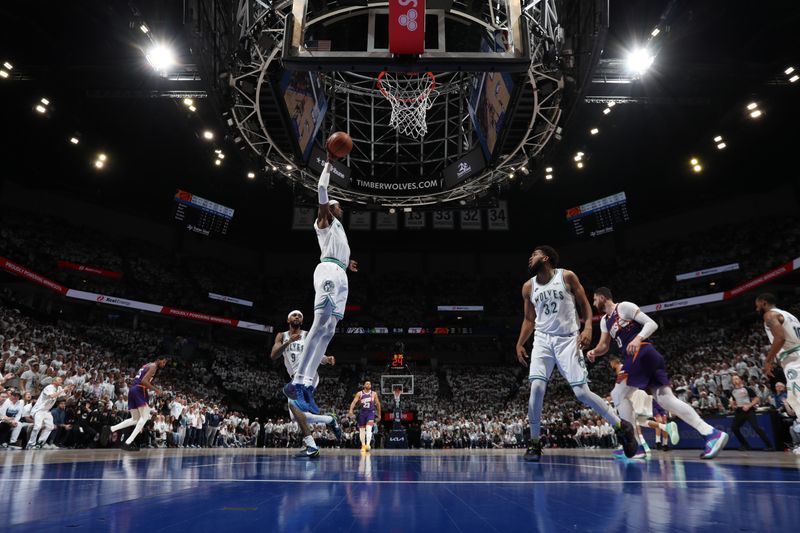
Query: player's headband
point(289, 316)
point(333, 202)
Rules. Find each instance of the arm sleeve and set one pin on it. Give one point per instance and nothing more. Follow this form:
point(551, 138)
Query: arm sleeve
point(603, 327)
point(322, 186)
point(630, 311)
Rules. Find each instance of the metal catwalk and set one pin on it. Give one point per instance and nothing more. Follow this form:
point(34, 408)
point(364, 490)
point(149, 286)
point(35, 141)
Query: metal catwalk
point(458, 490)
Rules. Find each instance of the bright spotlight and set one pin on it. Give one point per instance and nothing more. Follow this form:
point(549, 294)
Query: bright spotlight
point(606, 111)
point(548, 176)
point(288, 167)
point(187, 102)
point(251, 175)
point(221, 155)
point(274, 168)
point(755, 114)
point(160, 57)
point(45, 101)
point(594, 131)
point(192, 108)
point(580, 164)
point(101, 157)
point(99, 164)
point(787, 71)
point(3, 73)
point(697, 168)
point(577, 158)
point(718, 138)
point(9, 66)
point(580, 154)
point(41, 109)
point(612, 104)
point(218, 162)
point(639, 61)
point(144, 29)
point(74, 140)
point(693, 161)
point(721, 146)
point(208, 135)
point(794, 78)
point(751, 106)
point(655, 32)
point(549, 170)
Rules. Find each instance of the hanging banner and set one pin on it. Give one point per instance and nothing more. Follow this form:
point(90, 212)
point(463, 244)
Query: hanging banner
point(415, 220)
point(443, 220)
point(68, 265)
point(498, 216)
point(30, 275)
point(304, 218)
point(407, 27)
point(360, 220)
point(471, 219)
point(385, 221)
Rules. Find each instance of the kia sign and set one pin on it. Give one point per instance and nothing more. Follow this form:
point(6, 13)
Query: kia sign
point(407, 27)
point(466, 167)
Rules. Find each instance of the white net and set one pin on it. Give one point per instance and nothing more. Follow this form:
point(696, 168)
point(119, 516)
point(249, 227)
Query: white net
point(411, 95)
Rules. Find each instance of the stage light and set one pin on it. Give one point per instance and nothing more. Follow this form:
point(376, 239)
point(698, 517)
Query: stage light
point(693, 161)
point(406, 210)
point(45, 101)
point(794, 78)
point(594, 131)
point(101, 157)
point(289, 167)
point(160, 57)
point(655, 32)
point(9, 66)
point(218, 162)
point(251, 175)
point(41, 109)
point(99, 164)
point(606, 111)
point(74, 140)
point(697, 168)
point(580, 154)
point(549, 170)
point(755, 114)
point(751, 106)
point(462, 202)
point(144, 29)
point(274, 168)
point(221, 155)
point(188, 102)
point(511, 175)
point(721, 146)
point(612, 104)
point(580, 164)
point(787, 71)
point(217, 151)
point(3, 73)
point(391, 210)
point(548, 176)
point(192, 108)
point(718, 138)
point(208, 135)
point(639, 61)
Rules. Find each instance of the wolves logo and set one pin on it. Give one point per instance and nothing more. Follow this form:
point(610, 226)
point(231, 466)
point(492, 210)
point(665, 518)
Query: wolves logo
point(328, 286)
point(791, 374)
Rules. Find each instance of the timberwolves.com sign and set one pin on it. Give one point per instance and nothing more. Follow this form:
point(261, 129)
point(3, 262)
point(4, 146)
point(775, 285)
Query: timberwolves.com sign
point(410, 187)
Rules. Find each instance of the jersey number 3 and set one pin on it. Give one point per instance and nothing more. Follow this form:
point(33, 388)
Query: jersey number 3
point(550, 308)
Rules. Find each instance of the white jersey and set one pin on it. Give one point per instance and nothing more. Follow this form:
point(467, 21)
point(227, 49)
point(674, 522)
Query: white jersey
point(333, 243)
point(47, 399)
point(556, 313)
point(291, 354)
point(791, 332)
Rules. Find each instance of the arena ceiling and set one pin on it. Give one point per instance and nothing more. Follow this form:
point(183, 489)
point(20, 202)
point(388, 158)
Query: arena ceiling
point(713, 58)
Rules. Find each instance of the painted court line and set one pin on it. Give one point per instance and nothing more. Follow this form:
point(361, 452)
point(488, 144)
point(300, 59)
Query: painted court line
point(429, 482)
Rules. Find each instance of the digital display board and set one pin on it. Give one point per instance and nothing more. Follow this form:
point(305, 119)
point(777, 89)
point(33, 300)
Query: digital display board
point(200, 215)
point(600, 216)
point(306, 105)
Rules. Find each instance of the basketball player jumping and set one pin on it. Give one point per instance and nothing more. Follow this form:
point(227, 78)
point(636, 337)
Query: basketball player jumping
point(137, 402)
point(644, 367)
point(783, 331)
point(330, 286)
point(551, 300)
point(369, 410)
point(289, 344)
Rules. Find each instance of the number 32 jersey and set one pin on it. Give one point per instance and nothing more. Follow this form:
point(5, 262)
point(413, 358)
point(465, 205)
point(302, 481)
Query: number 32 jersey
point(556, 313)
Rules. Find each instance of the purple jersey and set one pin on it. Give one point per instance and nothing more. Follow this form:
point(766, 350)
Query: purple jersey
point(621, 330)
point(366, 402)
point(141, 374)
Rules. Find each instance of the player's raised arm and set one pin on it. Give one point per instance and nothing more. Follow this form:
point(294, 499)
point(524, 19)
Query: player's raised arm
point(324, 215)
point(582, 303)
point(528, 323)
point(773, 321)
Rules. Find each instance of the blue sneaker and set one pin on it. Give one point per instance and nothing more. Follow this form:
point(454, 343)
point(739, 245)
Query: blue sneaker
point(300, 402)
point(308, 453)
point(291, 390)
point(641, 453)
point(335, 427)
point(619, 453)
point(674, 435)
point(313, 408)
point(714, 444)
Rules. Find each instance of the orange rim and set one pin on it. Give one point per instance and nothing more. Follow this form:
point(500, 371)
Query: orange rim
point(388, 96)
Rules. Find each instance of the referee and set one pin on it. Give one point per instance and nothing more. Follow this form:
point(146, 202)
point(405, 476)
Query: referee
point(744, 400)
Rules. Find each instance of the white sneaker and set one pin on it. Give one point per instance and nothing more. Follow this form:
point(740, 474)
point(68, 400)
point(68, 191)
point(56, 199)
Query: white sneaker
point(796, 451)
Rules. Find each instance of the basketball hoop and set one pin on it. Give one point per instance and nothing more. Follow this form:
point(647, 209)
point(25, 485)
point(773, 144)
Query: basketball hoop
point(396, 392)
point(411, 95)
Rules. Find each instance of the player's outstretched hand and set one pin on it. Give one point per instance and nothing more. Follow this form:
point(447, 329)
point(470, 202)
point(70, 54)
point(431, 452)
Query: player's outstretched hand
point(353, 266)
point(522, 355)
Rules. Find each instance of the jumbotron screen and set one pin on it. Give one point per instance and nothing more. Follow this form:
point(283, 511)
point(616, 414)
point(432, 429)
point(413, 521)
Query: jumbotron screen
point(600, 216)
point(201, 216)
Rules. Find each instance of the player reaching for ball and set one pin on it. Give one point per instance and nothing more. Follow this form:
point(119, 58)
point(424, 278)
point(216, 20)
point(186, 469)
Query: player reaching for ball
point(330, 283)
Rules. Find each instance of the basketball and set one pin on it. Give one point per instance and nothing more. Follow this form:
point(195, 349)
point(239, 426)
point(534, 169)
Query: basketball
point(339, 144)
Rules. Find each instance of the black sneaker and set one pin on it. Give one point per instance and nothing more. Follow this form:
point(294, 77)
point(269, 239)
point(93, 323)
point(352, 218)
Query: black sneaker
point(627, 438)
point(335, 427)
point(308, 453)
point(129, 447)
point(534, 452)
point(664, 447)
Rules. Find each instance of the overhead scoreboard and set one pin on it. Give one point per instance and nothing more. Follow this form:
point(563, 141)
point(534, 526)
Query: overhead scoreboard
point(600, 216)
point(200, 215)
